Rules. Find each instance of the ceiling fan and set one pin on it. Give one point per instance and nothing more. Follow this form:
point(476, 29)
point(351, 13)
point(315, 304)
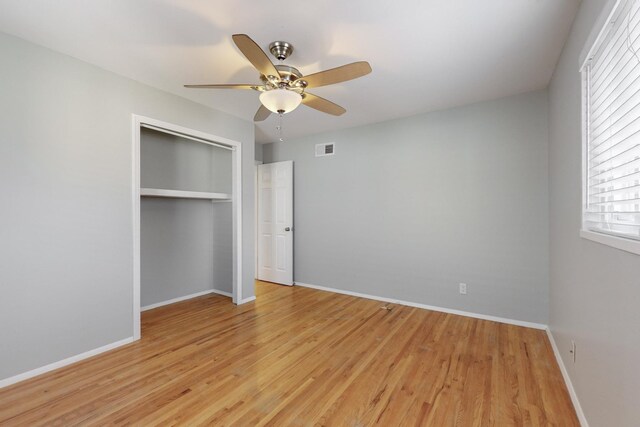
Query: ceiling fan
point(283, 87)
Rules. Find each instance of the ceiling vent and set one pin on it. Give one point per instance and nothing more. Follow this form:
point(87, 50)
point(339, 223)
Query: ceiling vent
point(326, 149)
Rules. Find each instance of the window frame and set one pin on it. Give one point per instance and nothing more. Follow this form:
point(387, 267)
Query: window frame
point(600, 31)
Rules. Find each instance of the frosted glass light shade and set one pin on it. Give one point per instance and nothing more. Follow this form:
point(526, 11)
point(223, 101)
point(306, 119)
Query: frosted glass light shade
point(280, 100)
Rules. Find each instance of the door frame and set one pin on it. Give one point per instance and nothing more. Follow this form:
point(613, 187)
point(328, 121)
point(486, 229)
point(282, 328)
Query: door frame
point(236, 201)
point(256, 163)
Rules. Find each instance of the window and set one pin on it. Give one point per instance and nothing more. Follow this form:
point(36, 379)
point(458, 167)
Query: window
point(611, 96)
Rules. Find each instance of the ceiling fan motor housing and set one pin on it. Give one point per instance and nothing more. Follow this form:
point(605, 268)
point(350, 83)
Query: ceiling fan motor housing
point(288, 77)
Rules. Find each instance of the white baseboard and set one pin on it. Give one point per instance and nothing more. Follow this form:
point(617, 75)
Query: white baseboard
point(429, 307)
point(567, 381)
point(184, 298)
point(68, 361)
point(223, 293)
point(246, 300)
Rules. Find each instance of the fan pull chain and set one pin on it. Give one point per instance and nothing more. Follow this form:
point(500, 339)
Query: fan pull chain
point(279, 127)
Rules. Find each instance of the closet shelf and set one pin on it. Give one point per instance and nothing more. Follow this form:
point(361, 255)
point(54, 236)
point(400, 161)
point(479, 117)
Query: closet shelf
point(180, 194)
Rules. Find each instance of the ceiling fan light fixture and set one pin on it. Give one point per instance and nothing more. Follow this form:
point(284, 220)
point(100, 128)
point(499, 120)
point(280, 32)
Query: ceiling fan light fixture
point(280, 100)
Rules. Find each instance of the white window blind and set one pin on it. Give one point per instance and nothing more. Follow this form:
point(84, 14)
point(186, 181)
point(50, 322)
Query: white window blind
point(612, 127)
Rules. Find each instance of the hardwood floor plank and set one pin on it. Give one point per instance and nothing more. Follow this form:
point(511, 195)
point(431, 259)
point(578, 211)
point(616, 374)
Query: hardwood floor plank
point(299, 356)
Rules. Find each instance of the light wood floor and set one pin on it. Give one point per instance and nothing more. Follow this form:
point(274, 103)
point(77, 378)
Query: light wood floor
point(299, 356)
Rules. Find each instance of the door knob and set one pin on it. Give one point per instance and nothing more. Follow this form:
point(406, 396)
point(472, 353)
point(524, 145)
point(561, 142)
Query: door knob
point(287, 229)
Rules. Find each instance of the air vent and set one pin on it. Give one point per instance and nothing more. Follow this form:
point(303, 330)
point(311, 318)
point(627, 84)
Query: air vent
point(326, 149)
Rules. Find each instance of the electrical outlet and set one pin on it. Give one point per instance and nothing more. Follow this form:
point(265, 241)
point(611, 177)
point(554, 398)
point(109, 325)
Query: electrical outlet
point(463, 288)
point(573, 350)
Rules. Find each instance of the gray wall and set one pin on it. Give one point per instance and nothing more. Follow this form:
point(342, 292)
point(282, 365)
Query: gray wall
point(66, 218)
point(595, 289)
point(175, 163)
point(186, 245)
point(259, 151)
point(409, 208)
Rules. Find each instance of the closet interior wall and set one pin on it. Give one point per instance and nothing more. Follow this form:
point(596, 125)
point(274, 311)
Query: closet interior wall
point(186, 244)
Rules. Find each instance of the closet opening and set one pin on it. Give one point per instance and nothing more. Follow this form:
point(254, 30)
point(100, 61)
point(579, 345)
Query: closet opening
point(187, 216)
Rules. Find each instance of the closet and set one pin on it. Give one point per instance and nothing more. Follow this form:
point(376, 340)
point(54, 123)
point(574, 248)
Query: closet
point(186, 217)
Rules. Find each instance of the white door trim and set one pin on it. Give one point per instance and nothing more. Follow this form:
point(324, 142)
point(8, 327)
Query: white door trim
point(256, 163)
point(236, 199)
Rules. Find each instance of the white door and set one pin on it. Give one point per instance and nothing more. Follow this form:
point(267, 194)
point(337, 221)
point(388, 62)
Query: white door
point(275, 222)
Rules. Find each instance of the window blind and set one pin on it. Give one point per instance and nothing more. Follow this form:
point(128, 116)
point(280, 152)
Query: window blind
point(612, 120)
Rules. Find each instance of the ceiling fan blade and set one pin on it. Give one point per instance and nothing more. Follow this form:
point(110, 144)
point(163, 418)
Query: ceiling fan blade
point(261, 114)
point(322, 104)
point(255, 55)
point(338, 75)
point(254, 87)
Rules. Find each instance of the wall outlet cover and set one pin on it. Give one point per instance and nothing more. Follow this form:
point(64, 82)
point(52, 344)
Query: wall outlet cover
point(463, 288)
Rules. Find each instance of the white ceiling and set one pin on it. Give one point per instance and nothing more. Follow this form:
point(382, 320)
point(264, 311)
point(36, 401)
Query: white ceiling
point(425, 54)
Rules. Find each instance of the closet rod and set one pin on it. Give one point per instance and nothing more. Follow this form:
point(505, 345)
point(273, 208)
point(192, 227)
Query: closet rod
point(181, 135)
